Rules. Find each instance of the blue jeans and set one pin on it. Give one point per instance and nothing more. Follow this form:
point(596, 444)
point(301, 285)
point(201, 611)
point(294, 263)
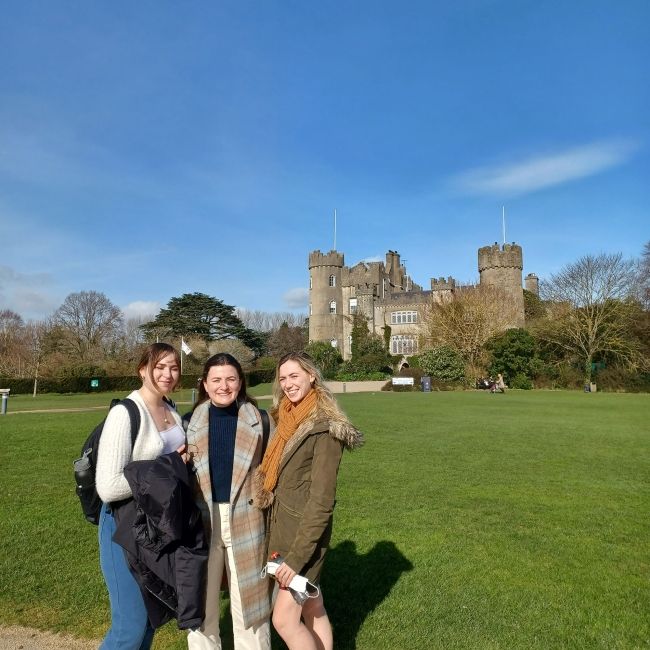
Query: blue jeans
point(130, 629)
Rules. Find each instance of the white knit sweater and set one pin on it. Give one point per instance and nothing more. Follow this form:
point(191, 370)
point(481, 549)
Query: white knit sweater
point(115, 448)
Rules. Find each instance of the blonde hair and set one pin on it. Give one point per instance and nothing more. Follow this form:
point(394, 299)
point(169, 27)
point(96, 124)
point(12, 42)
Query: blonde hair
point(308, 365)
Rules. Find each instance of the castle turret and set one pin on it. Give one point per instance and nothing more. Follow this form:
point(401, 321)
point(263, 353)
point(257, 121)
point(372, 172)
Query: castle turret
point(501, 267)
point(532, 283)
point(326, 297)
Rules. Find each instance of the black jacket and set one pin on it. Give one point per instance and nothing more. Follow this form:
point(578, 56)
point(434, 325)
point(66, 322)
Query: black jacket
point(162, 533)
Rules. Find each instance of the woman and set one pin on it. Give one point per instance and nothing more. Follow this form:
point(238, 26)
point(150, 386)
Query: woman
point(160, 432)
point(225, 436)
point(297, 480)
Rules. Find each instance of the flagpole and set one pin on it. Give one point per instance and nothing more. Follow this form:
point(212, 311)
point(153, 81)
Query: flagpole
point(503, 222)
point(334, 228)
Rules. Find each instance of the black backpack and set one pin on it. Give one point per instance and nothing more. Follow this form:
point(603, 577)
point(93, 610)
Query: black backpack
point(84, 467)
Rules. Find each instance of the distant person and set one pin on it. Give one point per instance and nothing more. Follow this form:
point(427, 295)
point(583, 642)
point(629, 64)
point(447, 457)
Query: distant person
point(160, 433)
point(225, 436)
point(499, 384)
point(297, 483)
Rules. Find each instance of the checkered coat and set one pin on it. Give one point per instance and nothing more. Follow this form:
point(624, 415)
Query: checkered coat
point(246, 521)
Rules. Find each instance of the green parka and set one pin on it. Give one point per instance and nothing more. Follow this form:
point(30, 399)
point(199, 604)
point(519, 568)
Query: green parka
point(301, 506)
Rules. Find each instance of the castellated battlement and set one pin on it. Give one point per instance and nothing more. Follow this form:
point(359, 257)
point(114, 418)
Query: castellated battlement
point(440, 284)
point(495, 256)
point(333, 258)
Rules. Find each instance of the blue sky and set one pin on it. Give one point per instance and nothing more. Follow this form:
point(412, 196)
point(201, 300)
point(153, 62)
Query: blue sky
point(149, 149)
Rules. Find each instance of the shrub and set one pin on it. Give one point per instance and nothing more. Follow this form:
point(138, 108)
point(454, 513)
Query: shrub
point(521, 381)
point(513, 353)
point(443, 363)
point(326, 357)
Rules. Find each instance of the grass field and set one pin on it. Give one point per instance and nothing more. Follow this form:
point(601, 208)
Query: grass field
point(468, 520)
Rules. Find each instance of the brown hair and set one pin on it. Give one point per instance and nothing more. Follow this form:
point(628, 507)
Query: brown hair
point(224, 359)
point(153, 354)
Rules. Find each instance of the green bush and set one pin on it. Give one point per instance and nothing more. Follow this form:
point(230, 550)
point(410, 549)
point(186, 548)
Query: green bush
point(513, 353)
point(521, 381)
point(443, 363)
point(359, 376)
point(614, 379)
point(326, 357)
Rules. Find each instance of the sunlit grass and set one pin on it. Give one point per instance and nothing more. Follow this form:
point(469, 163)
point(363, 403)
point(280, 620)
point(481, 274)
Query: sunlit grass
point(468, 520)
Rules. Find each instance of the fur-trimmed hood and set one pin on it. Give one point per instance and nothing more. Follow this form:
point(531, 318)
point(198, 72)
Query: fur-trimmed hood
point(326, 417)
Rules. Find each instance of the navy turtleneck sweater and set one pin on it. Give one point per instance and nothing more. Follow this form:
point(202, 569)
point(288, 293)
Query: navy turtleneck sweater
point(221, 448)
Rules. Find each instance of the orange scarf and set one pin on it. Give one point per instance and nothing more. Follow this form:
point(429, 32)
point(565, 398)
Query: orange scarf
point(290, 417)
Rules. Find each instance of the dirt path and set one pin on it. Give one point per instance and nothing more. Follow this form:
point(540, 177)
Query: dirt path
point(27, 638)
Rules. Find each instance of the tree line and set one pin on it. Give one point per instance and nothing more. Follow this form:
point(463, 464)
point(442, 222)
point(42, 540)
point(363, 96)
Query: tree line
point(591, 319)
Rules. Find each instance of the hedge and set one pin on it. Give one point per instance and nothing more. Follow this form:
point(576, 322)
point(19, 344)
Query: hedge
point(25, 386)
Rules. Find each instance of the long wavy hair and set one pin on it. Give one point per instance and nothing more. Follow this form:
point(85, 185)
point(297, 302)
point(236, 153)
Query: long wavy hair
point(308, 365)
point(224, 359)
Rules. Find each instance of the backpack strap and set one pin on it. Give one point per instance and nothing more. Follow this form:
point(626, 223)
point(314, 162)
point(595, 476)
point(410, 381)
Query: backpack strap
point(134, 415)
point(266, 430)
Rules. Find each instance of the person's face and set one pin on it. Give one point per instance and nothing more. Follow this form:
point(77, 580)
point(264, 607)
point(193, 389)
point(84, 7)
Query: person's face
point(165, 375)
point(222, 385)
point(294, 381)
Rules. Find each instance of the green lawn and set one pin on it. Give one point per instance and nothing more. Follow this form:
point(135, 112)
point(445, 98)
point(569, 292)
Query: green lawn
point(468, 520)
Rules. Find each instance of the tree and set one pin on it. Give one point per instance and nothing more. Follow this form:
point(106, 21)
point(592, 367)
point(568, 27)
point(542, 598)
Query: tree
point(443, 363)
point(592, 310)
point(644, 276)
point(204, 316)
point(11, 327)
point(513, 353)
point(326, 357)
point(89, 322)
point(287, 338)
point(468, 321)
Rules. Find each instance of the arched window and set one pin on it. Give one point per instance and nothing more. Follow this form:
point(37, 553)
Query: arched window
point(333, 307)
point(332, 281)
point(310, 309)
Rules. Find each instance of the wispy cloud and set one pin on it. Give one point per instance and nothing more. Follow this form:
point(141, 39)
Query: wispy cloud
point(141, 309)
point(297, 298)
point(543, 171)
point(26, 293)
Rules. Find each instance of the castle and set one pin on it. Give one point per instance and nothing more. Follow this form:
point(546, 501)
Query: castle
point(386, 295)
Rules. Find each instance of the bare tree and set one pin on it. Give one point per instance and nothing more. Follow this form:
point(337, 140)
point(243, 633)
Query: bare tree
point(263, 321)
point(591, 309)
point(466, 322)
point(644, 276)
point(90, 322)
point(11, 326)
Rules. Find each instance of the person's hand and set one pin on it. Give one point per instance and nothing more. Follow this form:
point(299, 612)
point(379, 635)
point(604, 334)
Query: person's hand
point(182, 450)
point(284, 574)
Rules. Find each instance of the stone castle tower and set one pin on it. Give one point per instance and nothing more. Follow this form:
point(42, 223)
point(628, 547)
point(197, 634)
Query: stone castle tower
point(501, 266)
point(325, 296)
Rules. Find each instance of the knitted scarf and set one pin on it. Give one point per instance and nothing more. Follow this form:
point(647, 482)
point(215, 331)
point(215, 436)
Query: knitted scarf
point(289, 419)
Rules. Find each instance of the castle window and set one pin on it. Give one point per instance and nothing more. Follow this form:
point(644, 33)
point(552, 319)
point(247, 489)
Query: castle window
point(353, 305)
point(311, 311)
point(350, 343)
point(332, 281)
point(403, 344)
point(310, 282)
point(333, 307)
point(401, 317)
point(334, 343)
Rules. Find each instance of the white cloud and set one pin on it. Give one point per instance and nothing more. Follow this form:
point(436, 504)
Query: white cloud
point(297, 298)
point(28, 294)
point(141, 309)
point(547, 170)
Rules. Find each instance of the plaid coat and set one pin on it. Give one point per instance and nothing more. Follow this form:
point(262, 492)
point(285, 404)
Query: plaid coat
point(246, 521)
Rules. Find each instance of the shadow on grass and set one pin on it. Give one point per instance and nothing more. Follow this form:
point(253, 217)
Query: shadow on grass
point(354, 585)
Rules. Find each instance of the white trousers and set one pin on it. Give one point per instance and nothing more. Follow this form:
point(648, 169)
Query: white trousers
point(207, 638)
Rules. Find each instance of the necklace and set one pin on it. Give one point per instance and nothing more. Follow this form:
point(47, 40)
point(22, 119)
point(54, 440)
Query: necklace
point(165, 420)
